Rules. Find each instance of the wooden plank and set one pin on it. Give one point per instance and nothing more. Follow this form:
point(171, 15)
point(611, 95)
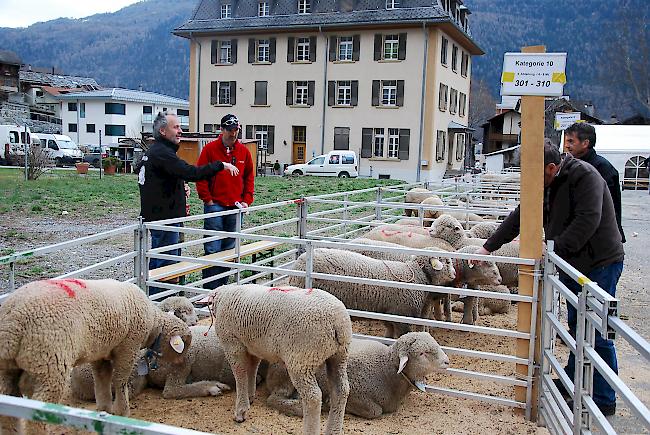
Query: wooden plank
point(182, 268)
point(532, 198)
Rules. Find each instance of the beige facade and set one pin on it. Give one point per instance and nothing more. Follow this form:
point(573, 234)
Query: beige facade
point(413, 113)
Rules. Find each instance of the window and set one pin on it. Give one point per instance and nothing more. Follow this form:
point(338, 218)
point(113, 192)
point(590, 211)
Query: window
point(347, 159)
point(393, 143)
point(115, 109)
point(147, 109)
point(82, 110)
point(262, 136)
point(304, 7)
point(343, 93)
point(442, 97)
point(263, 50)
point(462, 104)
point(114, 130)
point(182, 112)
point(225, 51)
point(464, 64)
point(260, 93)
point(441, 139)
point(443, 50)
point(223, 93)
point(223, 96)
point(392, 4)
point(460, 146)
point(72, 128)
point(391, 47)
point(345, 48)
point(226, 11)
point(389, 93)
point(90, 128)
point(342, 140)
point(72, 107)
point(302, 50)
point(453, 100)
point(302, 94)
point(378, 143)
point(454, 58)
point(263, 9)
point(211, 128)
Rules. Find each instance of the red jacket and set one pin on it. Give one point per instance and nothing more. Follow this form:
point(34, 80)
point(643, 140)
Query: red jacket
point(223, 188)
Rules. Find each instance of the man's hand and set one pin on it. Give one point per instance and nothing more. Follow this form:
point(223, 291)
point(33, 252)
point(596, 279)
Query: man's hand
point(231, 168)
point(244, 204)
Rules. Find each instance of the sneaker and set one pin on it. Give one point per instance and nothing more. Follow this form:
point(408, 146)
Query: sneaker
point(560, 386)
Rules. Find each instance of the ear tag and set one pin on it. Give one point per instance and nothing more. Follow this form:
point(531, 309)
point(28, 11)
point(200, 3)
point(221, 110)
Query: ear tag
point(177, 343)
point(470, 264)
point(142, 367)
point(436, 264)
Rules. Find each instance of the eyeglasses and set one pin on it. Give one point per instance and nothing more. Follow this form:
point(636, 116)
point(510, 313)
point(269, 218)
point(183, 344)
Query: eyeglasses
point(230, 122)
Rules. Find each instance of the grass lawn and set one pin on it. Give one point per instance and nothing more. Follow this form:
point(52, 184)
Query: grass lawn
point(55, 191)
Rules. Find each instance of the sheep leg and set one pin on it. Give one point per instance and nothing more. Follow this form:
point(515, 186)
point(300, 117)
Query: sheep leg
point(408, 212)
point(195, 389)
point(389, 329)
point(363, 408)
point(102, 375)
point(447, 308)
point(337, 375)
point(437, 309)
point(304, 379)
point(123, 361)
point(282, 400)
point(475, 311)
point(237, 357)
point(9, 387)
point(252, 364)
point(49, 387)
point(468, 310)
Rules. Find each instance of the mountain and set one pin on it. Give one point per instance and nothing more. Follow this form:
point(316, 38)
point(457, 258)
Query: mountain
point(134, 46)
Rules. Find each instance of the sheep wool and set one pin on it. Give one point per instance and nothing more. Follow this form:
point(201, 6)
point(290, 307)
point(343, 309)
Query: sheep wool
point(415, 196)
point(48, 327)
point(304, 328)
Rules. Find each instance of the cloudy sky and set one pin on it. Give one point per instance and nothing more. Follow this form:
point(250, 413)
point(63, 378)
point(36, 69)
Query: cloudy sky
point(22, 13)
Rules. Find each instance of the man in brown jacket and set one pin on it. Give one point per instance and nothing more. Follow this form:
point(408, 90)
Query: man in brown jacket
point(579, 217)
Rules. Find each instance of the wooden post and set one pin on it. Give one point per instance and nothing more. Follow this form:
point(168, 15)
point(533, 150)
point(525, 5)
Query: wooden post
point(532, 197)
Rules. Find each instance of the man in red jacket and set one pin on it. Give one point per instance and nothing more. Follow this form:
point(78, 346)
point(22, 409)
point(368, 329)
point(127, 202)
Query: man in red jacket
point(221, 193)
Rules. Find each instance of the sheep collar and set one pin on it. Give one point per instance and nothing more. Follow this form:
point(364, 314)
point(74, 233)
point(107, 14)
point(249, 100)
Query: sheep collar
point(152, 353)
point(417, 384)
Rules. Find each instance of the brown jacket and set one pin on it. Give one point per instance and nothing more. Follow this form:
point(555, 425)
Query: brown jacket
point(578, 216)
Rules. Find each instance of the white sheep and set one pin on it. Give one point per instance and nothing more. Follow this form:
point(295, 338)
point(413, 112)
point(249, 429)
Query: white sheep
point(380, 376)
point(408, 221)
point(408, 237)
point(393, 256)
point(488, 306)
point(181, 308)
point(48, 327)
point(428, 215)
point(482, 230)
point(415, 196)
point(303, 328)
point(370, 297)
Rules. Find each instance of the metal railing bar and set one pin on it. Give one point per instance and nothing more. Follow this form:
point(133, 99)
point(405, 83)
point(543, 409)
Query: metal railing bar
point(486, 377)
point(475, 396)
point(564, 334)
point(631, 336)
point(600, 420)
point(100, 265)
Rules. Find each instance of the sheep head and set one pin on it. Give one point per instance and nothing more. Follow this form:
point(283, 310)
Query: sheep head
point(449, 229)
point(175, 338)
point(438, 270)
point(182, 308)
point(419, 356)
point(478, 273)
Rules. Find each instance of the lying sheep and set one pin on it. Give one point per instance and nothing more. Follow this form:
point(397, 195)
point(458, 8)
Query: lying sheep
point(415, 196)
point(380, 376)
point(408, 238)
point(252, 322)
point(369, 297)
point(482, 230)
point(408, 221)
point(48, 327)
point(397, 228)
point(182, 308)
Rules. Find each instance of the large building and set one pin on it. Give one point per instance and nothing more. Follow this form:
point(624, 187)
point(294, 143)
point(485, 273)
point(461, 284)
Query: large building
point(388, 79)
point(116, 113)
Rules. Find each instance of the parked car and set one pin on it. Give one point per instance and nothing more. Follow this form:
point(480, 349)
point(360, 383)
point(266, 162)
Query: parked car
point(342, 164)
point(92, 156)
point(12, 140)
point(61, 149)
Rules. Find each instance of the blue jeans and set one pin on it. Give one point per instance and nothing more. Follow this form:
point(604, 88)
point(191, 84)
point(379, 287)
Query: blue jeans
point(219, 223)
point(160, 238)
point(607, 278)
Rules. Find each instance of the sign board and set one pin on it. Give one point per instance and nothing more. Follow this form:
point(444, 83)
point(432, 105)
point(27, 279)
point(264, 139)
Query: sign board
point(539, 74)
point(564, 120)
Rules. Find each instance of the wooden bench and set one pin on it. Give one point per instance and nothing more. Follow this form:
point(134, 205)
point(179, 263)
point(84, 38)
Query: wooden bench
point(183, 268)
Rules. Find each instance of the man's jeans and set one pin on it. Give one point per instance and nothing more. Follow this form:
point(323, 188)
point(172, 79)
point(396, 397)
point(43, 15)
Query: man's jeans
point(219, 223)
point(160, 238)
point(607, 278)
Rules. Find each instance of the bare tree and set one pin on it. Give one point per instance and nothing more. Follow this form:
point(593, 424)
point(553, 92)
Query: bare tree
point(38, 162)
point(482, 104)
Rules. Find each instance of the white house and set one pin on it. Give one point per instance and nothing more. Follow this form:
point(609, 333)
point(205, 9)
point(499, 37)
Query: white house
point(115, 113)
point(387, 79)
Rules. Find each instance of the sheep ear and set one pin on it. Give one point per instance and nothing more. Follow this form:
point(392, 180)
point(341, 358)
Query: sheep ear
point(171, 313)
point(176, 342)
point(402, 362)
point(436, 264)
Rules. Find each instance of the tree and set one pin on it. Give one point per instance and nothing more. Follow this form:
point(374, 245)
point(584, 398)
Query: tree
point(482, 105)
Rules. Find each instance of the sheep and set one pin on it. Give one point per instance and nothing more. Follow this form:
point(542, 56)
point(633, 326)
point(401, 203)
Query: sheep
point(393, 256)
point(415, 196)
point(48, 327)
point(409, 238)
point(380, 376)
point(182, 308)
point(303, 328)
point(390, 228)
point(428, 215)
point(369, 297)
point(482, 230)
point(408, 221)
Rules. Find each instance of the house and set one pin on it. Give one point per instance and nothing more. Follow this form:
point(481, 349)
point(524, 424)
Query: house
point(387, 79)
point(501, 131)
point(9, 67)
point(114, 113)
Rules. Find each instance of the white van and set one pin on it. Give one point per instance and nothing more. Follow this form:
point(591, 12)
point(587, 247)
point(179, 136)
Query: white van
point(60, 149)
point(342, 164)
point(12, 140)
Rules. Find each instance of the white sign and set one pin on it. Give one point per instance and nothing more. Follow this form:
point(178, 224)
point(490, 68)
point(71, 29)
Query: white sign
point(564, 120)
point(533, 74)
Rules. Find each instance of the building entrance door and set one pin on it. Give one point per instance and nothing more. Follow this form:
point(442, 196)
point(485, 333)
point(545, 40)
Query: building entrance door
point(450, 154)
point(299, 144)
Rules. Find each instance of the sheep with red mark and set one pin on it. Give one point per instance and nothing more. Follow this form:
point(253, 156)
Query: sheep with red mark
point(305, 329)
point(405, 235)
point(415, 196)
point(49, 327)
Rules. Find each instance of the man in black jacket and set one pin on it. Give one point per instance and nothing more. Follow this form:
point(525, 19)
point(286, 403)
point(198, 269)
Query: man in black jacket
point(579, 217)
point(580, 141)
point(161, 175)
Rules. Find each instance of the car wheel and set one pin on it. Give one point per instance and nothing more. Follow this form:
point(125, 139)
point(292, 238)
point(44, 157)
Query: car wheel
point(297, 172)
point(344, 175)
point(58, 162)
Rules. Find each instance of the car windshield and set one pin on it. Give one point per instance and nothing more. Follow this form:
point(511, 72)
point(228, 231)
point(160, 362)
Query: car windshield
point(67, 144)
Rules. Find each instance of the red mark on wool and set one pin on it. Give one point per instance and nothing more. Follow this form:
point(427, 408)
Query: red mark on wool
point(62, 285)
point(280, 289)
point(409, 234)
point(388, 233)
point(309, 290)
point(79, 282)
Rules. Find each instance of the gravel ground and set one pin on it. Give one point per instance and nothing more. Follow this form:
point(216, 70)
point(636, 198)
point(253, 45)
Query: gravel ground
point(18, 233)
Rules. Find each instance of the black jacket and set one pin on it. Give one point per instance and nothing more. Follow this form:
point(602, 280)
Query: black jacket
point(161, 174)
point(578, 215)
point(610, 174)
